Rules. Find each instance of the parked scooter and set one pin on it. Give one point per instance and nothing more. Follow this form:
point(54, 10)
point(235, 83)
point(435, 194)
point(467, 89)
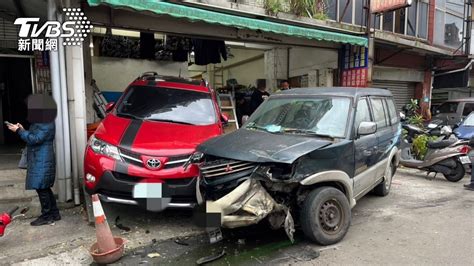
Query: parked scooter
point(448, 155)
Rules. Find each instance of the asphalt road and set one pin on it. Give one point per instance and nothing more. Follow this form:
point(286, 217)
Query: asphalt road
point(421, 222)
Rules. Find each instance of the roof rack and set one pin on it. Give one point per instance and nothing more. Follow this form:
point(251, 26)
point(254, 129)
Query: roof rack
point(152, 75)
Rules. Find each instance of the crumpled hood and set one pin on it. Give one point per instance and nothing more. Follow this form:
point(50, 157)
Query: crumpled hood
point(259, 146)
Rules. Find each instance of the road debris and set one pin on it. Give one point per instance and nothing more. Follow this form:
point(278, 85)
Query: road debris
point(210, 258)
point(121, 226)
point(179, 241)
point(154, 255)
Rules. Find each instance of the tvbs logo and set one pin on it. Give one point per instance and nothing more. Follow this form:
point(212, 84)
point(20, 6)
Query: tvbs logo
point(36, 37)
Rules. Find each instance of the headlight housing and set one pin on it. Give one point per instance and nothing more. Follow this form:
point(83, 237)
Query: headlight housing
point(197, 157)
point(102, 147)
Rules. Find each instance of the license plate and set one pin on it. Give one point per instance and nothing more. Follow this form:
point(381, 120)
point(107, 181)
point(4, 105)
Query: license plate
point(147, 190)
point(465, 159)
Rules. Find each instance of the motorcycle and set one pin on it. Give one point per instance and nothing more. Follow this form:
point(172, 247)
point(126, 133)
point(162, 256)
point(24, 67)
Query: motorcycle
point(447, 155)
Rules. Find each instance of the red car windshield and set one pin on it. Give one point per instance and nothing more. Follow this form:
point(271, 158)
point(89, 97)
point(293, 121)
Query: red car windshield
point(168, 105)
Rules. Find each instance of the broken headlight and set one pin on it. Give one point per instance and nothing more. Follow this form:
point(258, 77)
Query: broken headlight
point(275, 171)
point(196, 158)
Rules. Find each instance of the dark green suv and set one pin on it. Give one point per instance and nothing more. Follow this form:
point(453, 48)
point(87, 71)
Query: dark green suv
point(309, 153)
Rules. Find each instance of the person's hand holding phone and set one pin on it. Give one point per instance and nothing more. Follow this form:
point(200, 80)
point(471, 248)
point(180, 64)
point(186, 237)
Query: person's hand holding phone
point(13, 127)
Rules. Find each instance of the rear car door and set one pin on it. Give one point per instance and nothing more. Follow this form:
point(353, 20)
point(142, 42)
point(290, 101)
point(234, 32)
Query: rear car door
point(384, 133)
point(449, 112)
point(365, 149)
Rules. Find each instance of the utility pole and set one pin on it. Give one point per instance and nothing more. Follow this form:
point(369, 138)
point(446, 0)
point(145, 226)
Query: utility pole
point(467, 26)
point(371, 43)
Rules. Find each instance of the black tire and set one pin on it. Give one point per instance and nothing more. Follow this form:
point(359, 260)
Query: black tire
point(458, 173)
point(383, 188)
point(325, 216)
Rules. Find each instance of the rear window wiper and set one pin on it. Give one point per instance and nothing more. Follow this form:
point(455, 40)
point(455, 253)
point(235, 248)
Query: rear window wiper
point(128, 116)
point(170, 121)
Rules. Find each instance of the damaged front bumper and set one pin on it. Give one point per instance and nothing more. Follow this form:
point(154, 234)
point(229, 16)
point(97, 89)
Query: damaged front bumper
point(248, 204)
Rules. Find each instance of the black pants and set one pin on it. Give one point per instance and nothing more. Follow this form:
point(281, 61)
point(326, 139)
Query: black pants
point(49, 208)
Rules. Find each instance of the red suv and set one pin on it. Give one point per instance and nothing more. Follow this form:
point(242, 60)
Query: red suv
point(136, 155)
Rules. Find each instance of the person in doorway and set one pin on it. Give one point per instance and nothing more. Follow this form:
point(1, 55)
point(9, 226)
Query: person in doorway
point(258, 96)
point(284, 85)
point(242, 107)
point(41, 167)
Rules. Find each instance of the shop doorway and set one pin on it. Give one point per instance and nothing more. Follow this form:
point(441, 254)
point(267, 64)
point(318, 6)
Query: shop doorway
point(15, 86)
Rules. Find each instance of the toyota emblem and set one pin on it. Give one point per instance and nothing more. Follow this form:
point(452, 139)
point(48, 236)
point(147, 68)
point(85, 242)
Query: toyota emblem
point(153, 163)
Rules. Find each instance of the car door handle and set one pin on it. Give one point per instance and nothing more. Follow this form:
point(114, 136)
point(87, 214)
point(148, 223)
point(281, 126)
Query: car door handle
point(367, 152)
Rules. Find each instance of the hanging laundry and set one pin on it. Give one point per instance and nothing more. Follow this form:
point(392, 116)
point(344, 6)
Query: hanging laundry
point(208, 51)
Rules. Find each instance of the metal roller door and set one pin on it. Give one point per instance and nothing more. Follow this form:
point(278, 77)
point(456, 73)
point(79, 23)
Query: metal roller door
point(402, 91)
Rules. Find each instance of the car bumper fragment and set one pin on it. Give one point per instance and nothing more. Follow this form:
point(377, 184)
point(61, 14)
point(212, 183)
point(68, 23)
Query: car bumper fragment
point(248, 204)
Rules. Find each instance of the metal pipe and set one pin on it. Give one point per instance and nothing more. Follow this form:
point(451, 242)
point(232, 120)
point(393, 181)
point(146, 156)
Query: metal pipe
point(65, 116)
point(76, 100)
point(456, 70)
point(56, 89)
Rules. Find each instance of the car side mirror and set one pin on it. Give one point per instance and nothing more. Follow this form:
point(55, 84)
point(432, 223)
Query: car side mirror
point(224, 119)
point(109, 106)
point(367, 128)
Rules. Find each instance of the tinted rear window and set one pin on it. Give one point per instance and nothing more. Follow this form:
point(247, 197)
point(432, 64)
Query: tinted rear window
point(392, 111)
point(165, 104)
point(468, 108)
point(451, 107)
point(379, 112)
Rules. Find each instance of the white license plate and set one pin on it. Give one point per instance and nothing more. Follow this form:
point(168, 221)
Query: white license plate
point(147, 190)
point(465, 159)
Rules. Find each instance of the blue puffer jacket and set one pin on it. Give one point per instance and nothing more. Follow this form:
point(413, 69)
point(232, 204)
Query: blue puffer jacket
point(40, 153)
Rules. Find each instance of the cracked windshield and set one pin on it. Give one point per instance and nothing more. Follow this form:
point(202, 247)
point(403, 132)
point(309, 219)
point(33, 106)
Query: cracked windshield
point(325, 117)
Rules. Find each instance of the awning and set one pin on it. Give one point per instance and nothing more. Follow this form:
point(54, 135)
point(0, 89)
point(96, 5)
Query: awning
point(197, 14)
point(458, 78)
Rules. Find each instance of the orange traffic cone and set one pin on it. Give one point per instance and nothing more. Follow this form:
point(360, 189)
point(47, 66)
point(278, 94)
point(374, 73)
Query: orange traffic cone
point(107, 249)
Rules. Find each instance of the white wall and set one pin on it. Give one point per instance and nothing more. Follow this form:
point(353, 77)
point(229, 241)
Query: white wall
point(317, 63)
point(246, 74)
point(303, 60)
point(115, 74)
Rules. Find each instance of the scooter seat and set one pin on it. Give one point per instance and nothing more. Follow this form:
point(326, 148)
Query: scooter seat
point(440, 144)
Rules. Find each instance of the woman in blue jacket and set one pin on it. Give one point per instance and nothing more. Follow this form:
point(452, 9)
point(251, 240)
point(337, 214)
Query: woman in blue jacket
point(41, 166)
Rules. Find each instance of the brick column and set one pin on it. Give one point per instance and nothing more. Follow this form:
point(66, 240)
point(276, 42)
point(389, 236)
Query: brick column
point(431, 20)
point(426, 95)
point(427, 81)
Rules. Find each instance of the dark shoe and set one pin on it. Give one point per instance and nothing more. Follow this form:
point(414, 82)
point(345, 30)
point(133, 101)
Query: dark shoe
point(56, 217)
point(42, 221)
point(469, 187)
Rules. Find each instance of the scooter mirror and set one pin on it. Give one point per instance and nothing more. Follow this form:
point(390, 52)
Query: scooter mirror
point(402, 116)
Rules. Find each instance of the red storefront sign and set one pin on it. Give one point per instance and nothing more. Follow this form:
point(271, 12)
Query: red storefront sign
point(379, 6)
point(354, 77)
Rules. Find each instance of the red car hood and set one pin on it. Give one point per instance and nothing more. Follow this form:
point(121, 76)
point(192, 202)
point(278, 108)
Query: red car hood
point(154, 138)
